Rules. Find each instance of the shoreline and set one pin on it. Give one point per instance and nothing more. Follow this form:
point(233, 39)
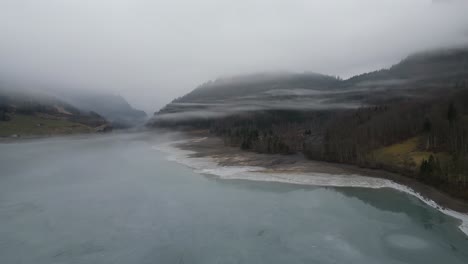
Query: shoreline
point(32, 138)
point(207, 154)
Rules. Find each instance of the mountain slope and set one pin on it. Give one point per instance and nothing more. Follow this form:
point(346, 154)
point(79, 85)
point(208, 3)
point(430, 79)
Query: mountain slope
point(260, 83)
point(114, 108)
point(29, 113)
point(435, 67)
point(256, 92)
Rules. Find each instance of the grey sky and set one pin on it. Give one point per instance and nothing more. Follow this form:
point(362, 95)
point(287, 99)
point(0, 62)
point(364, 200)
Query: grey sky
point(151, 51)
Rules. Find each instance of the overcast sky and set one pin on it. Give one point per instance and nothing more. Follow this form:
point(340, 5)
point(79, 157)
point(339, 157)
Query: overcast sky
point(151, 51)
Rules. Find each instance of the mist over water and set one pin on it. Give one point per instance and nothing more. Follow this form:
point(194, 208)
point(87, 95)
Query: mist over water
point(117, 199)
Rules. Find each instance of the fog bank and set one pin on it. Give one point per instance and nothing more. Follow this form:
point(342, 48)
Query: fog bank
point(153, 51)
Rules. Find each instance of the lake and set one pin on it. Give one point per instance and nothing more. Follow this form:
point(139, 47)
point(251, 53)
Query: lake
point(116, 199)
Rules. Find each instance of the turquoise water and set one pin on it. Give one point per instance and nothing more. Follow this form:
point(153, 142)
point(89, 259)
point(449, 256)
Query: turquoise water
point(115, 199)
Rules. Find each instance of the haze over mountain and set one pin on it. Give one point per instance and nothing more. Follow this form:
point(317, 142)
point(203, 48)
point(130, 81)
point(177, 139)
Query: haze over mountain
point(419, 75)
point(113, 107)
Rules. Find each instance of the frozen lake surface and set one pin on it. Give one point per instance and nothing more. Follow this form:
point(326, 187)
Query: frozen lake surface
point(117, 199)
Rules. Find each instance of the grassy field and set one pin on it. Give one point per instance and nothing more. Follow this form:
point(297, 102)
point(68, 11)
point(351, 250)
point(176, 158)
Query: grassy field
point(29, 125)
point(407, 154)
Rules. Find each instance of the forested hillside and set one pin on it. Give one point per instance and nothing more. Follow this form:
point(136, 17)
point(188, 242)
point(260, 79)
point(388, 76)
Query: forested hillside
point(411, 118)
